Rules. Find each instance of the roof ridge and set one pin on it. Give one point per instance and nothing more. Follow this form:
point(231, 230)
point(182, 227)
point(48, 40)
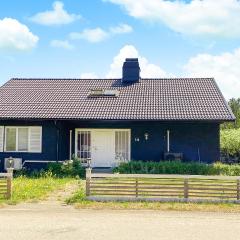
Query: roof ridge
point(65, 79)
point(168, 78)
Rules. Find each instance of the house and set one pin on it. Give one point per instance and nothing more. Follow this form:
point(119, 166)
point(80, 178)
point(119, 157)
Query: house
point(111, 120)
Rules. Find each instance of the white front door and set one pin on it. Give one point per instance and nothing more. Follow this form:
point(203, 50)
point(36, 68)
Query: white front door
point(105, 147)
point(103, 152)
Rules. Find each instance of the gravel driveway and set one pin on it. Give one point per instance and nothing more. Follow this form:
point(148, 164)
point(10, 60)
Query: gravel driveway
point(45, 221)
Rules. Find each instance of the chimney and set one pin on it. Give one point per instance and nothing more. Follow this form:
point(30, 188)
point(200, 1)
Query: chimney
point(130, 70)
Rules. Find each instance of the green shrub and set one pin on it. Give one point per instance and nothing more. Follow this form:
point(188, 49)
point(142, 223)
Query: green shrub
point(176, 167)
point(42, 173)
point(70, 168)
point(230, 141)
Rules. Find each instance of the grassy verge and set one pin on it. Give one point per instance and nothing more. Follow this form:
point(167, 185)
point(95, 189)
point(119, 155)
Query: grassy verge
point(34, 189)
point(79, 201)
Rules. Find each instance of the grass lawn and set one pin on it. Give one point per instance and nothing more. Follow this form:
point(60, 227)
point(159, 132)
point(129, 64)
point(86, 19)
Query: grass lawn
point(34, 189)
point(79, 200)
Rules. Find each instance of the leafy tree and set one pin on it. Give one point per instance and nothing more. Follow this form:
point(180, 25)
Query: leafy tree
point(235, 106)
point(230, 142)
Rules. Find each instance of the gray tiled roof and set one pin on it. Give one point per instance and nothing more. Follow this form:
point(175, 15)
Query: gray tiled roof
point(148, 99)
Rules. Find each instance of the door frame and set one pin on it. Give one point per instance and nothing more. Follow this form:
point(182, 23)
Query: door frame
point(102, 129)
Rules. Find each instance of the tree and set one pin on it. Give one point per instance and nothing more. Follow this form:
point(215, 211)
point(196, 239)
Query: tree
point(235, 106)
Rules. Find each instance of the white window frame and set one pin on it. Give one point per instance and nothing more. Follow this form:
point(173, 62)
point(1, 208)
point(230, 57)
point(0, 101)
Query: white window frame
point(17, 127)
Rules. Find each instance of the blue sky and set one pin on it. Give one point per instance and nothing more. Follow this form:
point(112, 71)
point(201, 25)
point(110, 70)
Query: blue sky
point(77, 38)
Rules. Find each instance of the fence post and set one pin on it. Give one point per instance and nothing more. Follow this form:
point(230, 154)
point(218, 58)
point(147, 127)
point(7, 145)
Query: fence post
point(136, 187)
point(238, 189)
point(186, 188)
point(88, 180)
point(9, 183)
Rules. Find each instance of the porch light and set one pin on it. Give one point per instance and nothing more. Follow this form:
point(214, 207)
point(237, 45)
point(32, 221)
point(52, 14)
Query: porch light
point(146, 136)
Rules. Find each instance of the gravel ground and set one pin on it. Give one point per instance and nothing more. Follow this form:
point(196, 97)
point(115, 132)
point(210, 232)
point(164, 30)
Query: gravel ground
point(51, 220)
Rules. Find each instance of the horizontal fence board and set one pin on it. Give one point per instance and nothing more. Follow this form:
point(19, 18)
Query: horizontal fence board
point(109, 183)
point(160, 187)
point(112, 190)
point(164, 186)
point(212, 193)
point(213, 189)
point(212, 185)
point(163, 180)
point(107, 175)
point(161, 183)
point(112, 194)
point(213, 196)
point(5, 175)
point(112, 187)
point(162, 195)
point(162, 192)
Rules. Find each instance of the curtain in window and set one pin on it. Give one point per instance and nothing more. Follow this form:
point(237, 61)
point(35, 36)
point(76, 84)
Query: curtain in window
point(122, 150)
point(23, 139)
point(11, 134)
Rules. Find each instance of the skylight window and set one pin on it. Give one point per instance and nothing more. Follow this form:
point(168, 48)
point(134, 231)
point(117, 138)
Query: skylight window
point(103, 93)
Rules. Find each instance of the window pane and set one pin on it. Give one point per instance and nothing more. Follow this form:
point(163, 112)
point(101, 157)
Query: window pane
point(84, 144)
point(22, 139)
point(11, 139)
point(122, 145)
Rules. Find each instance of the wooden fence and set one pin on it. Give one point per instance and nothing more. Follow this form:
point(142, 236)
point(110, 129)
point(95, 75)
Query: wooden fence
point(151, 187)
point(5, 185)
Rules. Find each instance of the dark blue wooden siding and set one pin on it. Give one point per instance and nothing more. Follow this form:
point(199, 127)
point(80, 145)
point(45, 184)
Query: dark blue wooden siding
point(49, 138)
point(188, 138)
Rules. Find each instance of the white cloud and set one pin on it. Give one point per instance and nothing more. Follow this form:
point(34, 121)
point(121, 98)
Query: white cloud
point(196, 17)
point(225, 68)
point(57, 16)
point(147, 69)
point(121, 29)
point(61, 44)
point(16, 36)
point(95, 35)
point(91, 35)
point(128, 51)
point(89, 75)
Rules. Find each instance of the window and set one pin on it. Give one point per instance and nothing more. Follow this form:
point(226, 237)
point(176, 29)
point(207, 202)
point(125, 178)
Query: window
point(84, 145)
point(1, 138)
point(23, 139)
point(104, 93)
point(11, 141)
point(122, 145)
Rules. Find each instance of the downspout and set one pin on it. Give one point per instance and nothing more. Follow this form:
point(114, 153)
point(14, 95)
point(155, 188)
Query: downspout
point(70, 144)
point(57, 147)
point(168, 141)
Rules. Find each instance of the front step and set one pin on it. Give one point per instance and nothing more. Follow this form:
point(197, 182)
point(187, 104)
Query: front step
point(102, 170)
